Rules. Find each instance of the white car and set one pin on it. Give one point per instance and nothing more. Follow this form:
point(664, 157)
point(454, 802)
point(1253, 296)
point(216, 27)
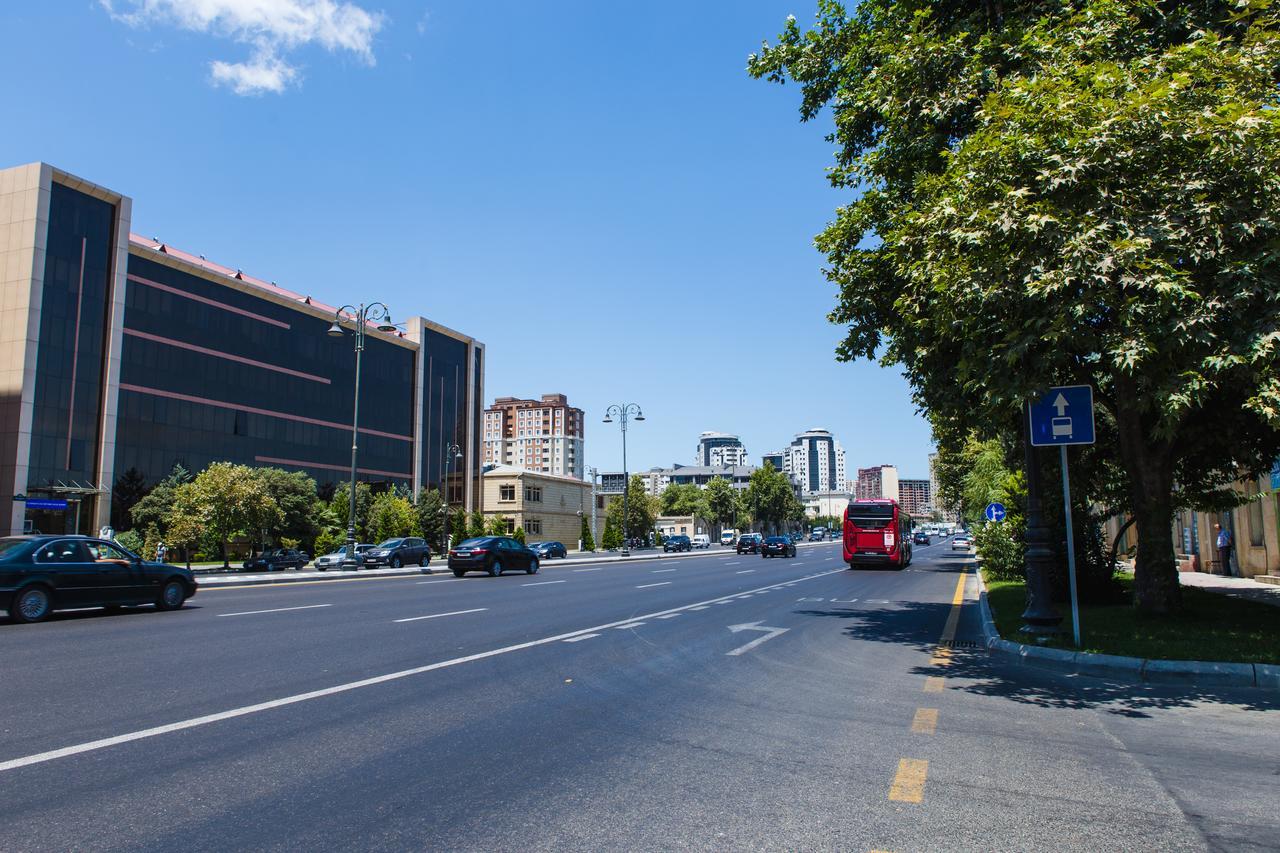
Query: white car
point(701, 540)
point(335, 560)
point(960, 543)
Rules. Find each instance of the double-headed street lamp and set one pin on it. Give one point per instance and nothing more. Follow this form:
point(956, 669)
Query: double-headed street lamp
point(378, 313)
point(451, 453)
point(624, 411)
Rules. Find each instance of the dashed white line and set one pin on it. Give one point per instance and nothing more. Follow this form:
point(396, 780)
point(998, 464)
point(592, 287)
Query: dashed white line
point(597, 569)
point(451, 580)
point(669, 616)
point(660, 571)
point(275, 610)
point(541, 583)
point(438, 615)
point(580, 638)
point(745, 572)
point(647, 585)
point(703, 607)
point(628, 625)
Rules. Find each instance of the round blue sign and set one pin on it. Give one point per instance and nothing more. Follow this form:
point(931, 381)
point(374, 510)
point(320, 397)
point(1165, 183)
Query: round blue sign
point(995, 512)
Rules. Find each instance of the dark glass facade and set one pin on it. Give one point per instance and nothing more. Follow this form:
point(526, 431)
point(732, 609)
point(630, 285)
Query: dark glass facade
point(444, 414)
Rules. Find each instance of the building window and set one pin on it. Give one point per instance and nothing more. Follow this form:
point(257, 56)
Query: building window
point(1256, 532)
point(511, 527)
point(533, 525)
point(506, 492)
point(533, 494)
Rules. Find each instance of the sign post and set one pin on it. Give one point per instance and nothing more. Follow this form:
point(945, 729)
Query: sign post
point(1063, 417)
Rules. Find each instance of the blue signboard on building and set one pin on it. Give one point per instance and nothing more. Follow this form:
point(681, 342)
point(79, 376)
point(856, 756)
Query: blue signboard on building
point(1063, 416)
point(46, 503)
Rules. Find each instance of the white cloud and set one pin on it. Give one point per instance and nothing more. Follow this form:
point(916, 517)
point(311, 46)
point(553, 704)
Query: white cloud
point(272, 28)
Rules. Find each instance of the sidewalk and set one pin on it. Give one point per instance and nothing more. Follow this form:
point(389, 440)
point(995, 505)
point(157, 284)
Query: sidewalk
point(1234, 587)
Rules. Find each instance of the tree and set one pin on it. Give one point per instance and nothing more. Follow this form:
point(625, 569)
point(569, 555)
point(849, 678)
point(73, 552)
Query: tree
point(341, 506)
point(151, 511)
point(129, 488)
point(519, 535)
point(392, 516)
point(612, 538)
point(683, 499)
point(496, 525)
point(430, 508)
point(1089, 197)
point(458, 520)
point(477, 525)
point(588, 540)
point(641, 511)
point(720, 499)
point(770, 498)
point(295, 494)
point(224, 501)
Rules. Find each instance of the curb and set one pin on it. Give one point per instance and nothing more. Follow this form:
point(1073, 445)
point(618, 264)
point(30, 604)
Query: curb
point(1186, 673)
point(214, 581)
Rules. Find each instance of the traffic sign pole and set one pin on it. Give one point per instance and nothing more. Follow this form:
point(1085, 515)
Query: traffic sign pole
point(1071, 547)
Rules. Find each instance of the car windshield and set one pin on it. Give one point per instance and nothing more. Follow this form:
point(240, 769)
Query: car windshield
point(11, 545)
point(390, 543)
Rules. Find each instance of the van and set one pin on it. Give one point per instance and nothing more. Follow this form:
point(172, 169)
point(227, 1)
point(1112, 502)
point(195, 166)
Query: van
point(728, 537)
point(701, 540)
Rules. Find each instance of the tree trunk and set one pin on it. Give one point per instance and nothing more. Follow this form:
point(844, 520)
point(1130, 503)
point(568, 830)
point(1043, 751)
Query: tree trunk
point(1150, 474)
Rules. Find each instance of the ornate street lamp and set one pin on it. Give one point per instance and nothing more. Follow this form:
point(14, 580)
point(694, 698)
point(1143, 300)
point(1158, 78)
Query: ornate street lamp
point(623, 411)
point(451, 453)
point(378, 313)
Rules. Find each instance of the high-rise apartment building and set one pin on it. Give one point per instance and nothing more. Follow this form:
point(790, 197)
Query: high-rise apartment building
point(720, 448)
point(536, 435)
point(877, 483)
point(815, 462)
point(777, 459)
point(915, 497)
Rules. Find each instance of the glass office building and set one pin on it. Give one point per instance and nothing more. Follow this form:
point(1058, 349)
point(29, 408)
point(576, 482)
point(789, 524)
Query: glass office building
point(121, 354)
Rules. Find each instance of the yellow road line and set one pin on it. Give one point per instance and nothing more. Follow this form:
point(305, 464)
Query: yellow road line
point(925, 721)
point(908, 783)
point(933, 684)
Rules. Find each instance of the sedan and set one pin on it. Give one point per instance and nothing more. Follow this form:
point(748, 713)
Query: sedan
point(549, 550)
point(778, 546)
point(276, 559)
point(749, 543)
point(960, 543)
point(41, 574)
point(921, 538)
point(404, 551)
point(338, 557)
point(492, 555)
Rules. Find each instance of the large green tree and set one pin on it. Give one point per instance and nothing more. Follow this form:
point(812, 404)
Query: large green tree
point(1065, 193)
point(720, 500)
point(392, 516)
point(151, 511)
point(771, 499)
point(223, 502)
point(431, 520)
point(642, 511)
point(295, 494)
point(683, 499)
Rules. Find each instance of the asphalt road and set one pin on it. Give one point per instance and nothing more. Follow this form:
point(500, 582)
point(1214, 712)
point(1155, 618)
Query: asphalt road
point(604, 708)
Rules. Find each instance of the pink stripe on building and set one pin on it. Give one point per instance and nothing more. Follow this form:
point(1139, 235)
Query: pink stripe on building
point(204, 401)
point(216, 304)
point(298, 463)
point(229, 357)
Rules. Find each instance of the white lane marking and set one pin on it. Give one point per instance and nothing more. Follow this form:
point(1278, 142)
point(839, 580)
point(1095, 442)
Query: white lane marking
point(745, 572)
point(628, 625)
point(580, 638)
point(732, 562)
point(726, 601)
point(194, 722)
point(770, 633)
point(452, 580)
point(276, 610)
point(438, 615)
point(660, 571)
point(647, 585)
point(669, 616)
point(542, 583)
point(600, 569)
point(700, 608)
point(848, 601)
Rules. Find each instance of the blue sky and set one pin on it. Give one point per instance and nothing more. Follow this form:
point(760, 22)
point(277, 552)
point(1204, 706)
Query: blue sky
point(597, 191)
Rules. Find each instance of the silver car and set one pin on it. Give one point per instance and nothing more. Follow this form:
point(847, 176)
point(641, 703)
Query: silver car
point(336, 559)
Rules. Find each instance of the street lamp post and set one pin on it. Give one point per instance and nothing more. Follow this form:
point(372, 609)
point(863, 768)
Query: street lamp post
point(623, 411)
point(451, 453)
point(378, 313)
point(593, 472)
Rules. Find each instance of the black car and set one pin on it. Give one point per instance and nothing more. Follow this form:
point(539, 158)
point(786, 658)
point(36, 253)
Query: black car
point(493, 555)
point(677, 542)
point(921, 538)
point(40, 574)
point(778, 546)
point(277, 559)
point(404, 551)
point(749, 543)
point(549, 550)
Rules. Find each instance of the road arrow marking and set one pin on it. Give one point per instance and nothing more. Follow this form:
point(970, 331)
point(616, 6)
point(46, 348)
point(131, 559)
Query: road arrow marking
point(769, 634)
point(1061, 405)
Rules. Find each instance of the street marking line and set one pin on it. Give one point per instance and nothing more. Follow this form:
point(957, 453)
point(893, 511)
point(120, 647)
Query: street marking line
point(745, 572)
point(933, 684)
point(626, 626)
point(669, 616)
point(451, 580)
point(942, 655)
point(925, 721)
point(600, 569)
point(660, 571)
point(580, 638)
point(542, 583)
point(647, 585)
point(732, 562)
point(275, 610)
point(246, 710)
point(770, 633)
point(722, 602)
point(700, 608)
point(908, 782)
point(287, 584)
point(438, 615)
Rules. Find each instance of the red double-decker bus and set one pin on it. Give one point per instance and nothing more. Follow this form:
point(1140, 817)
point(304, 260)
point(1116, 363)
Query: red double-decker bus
point(876, 533)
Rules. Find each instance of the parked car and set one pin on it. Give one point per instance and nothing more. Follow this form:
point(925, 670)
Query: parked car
point(277, 559)
point(749, 543)
point(961, 542)
point(701, 540)
point(549, 550)
point(817, 536)
point(41, 574)
point(778, 546)
point(677, 542)
point(405, 551)
point(493, 555)
point(338, 557)
point(921, 538)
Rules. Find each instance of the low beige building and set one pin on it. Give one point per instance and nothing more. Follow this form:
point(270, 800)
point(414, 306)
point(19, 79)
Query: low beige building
point(547, 506)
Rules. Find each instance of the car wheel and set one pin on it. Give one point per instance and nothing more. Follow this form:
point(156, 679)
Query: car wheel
point(424, 561)
point(533, 567)
point(32, 604)
point(457, 573)
point(495, 569)
point(396, 562)
point(321, 568)
point(171, 596)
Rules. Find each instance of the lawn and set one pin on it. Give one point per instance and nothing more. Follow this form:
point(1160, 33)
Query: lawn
point(1210, 626)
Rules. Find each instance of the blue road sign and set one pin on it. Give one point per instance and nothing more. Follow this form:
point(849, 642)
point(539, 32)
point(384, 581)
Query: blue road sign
point(1063, 416)
point(46, 503)
point(995, 512)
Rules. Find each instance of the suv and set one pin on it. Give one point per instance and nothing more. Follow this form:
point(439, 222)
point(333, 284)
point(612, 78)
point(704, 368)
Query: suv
point(275, 559)
point(749, 543)
point(778, 546)
point(406, 551)
point(677, 542)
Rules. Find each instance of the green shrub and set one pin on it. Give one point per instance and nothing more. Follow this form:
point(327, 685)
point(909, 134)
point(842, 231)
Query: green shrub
point(131, 540)
point(588, 541)
point(999, 546)
point(519, 535)
point(329, 541)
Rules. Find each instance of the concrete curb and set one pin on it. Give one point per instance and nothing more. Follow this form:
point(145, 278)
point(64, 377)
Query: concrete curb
point(232, 579)
point(1187, 673)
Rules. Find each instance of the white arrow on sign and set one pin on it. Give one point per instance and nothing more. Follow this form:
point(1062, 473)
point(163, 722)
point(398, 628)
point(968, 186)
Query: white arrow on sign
point(1060, 404)
point(769, 634)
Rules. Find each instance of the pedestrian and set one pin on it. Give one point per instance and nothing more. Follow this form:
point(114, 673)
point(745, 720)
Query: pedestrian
point(1224, 549)
point(160, 551)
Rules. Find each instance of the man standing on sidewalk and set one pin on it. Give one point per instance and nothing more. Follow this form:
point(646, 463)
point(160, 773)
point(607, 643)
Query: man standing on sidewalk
point(1224, 549)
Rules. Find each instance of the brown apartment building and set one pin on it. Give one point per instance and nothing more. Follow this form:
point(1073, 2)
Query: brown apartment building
point(544, 435)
